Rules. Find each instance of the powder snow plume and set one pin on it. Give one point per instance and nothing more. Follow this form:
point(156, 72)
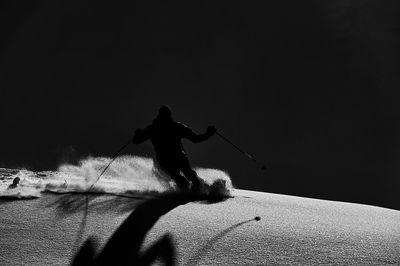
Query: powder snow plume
point(126, 176)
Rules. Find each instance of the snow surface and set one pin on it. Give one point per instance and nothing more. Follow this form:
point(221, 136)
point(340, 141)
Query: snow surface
point(292, 230)
point(49, 216)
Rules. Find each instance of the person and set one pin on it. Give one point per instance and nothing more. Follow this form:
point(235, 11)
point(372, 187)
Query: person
point(166, 137)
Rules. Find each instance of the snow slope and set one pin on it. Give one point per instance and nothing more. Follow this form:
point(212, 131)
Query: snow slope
point(292, 230)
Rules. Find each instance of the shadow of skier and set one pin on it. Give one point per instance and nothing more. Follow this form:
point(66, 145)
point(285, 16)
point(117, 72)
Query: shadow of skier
point(71, 203)
point(124, 245)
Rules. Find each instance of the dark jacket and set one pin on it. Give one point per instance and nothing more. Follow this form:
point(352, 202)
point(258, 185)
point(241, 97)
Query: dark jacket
point(166, 137)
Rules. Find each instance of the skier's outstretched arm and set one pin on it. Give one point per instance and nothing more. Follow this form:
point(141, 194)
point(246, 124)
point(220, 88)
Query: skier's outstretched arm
point(193, 137)
point(141, 135)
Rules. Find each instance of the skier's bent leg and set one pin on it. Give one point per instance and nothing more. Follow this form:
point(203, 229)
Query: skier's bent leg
point(174, 174)
point(189, 172)
point(179, 179)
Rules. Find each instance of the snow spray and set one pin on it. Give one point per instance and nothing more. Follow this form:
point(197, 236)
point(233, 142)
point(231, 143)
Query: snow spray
point(128, 175)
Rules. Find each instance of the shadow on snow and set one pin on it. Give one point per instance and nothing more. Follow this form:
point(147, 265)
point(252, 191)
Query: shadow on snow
point(124, 245)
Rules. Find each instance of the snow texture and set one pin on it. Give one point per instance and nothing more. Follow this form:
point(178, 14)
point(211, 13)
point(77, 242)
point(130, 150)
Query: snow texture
point(248, 228)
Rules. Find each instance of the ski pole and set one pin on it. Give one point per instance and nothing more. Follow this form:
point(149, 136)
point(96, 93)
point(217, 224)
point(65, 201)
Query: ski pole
point(263, 166)
point(112, 160)
point(86, 210)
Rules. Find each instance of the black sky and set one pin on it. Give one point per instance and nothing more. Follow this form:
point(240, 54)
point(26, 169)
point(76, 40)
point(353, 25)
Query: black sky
point(311, 87)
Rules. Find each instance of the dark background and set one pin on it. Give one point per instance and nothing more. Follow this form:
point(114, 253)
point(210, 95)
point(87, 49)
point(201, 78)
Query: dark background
point(309, 86)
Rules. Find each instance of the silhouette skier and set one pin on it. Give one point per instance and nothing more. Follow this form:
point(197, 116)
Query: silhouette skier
point(166, 134)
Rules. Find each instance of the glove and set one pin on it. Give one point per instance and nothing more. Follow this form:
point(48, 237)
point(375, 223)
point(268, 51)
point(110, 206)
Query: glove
point(211, 130)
